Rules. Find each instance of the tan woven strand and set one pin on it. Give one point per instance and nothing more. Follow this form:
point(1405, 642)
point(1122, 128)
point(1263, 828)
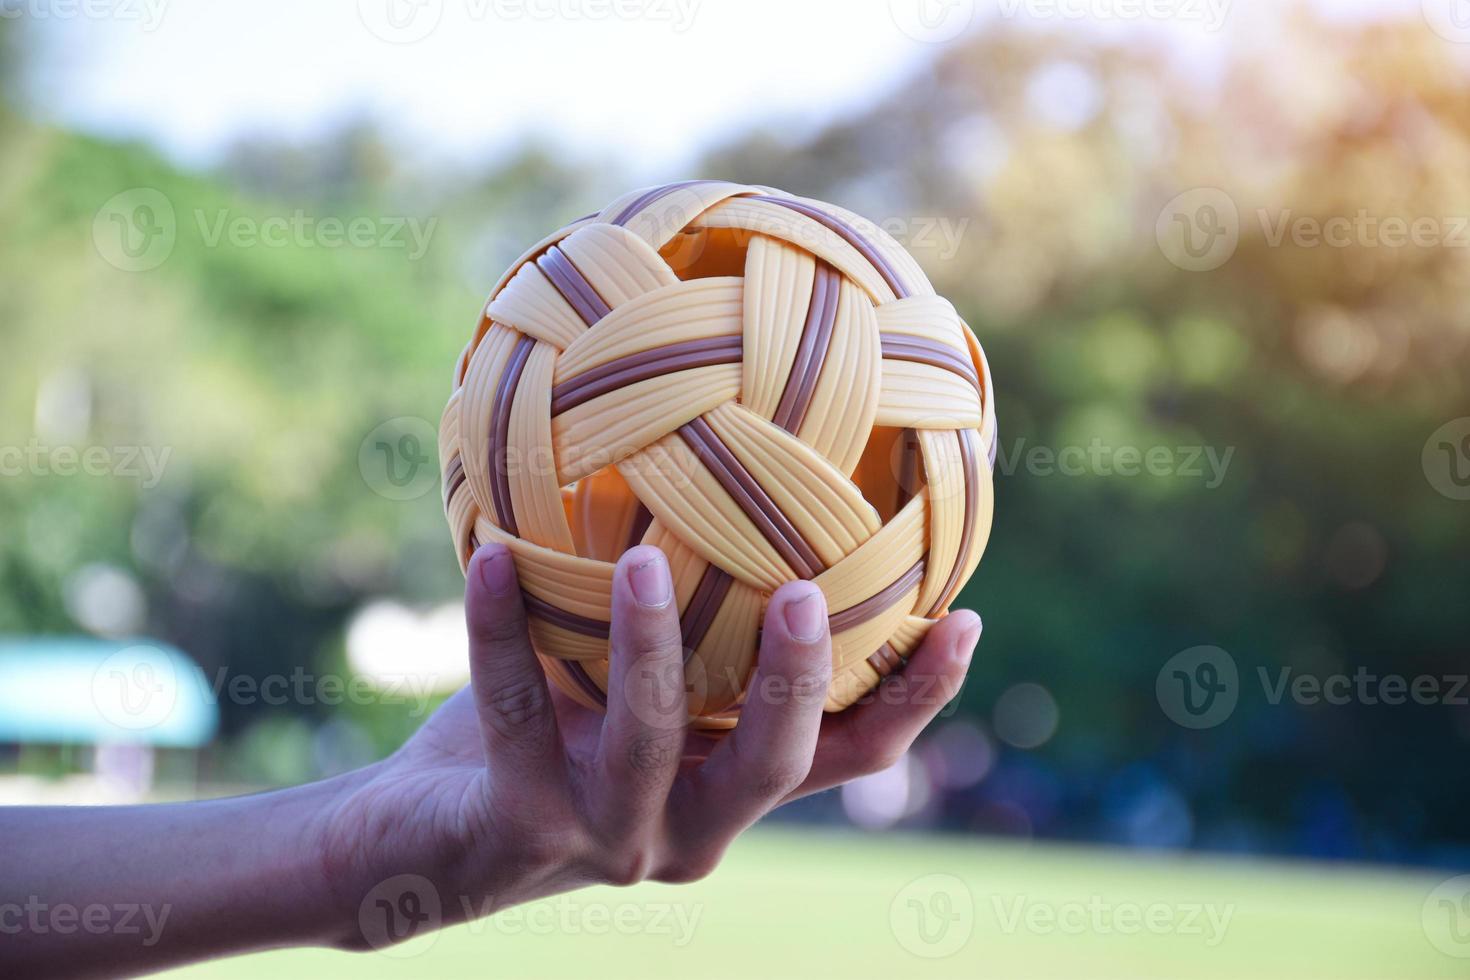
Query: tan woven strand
point(764, 386)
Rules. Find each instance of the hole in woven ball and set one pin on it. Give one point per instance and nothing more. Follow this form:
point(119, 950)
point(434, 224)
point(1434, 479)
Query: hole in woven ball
point(699, 253)
point(891, 470)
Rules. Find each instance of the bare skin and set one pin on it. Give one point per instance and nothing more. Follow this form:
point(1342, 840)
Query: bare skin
point(509, 793)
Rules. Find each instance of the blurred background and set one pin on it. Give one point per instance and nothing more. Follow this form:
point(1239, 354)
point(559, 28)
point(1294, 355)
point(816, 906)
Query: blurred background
point(1216, 252)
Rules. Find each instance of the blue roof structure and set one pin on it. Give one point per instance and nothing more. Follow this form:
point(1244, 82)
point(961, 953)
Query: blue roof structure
point(64, 690)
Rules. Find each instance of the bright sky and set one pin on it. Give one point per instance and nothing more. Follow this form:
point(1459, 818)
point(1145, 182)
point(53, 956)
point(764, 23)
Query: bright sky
point(652, 81)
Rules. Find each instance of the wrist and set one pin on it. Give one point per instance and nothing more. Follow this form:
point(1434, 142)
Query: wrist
point(336, 856)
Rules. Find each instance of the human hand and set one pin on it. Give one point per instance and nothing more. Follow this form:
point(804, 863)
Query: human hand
point(511, 792)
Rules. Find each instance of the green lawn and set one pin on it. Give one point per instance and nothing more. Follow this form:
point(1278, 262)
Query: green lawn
point(818, 904)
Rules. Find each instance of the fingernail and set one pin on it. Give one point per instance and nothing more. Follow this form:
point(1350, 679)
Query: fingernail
point(498, 573)
point(651, 584)
point(806, 618)
point(970, 637)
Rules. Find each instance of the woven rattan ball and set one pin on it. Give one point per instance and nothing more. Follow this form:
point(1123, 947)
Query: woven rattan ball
point(764, 386)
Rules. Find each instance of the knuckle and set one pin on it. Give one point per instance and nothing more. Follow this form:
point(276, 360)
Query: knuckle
point(876, 751)
point(811, 685)
point(653, 756)
point(546, 829)
point(498, 631)
point(687, 869)
point(885, 757)
point(518, 703)
point(541, 847)
point(657, 639)
point(778, 779)
point(628, 866)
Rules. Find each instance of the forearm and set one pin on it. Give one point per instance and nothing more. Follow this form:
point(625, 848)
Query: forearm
point(105, 891)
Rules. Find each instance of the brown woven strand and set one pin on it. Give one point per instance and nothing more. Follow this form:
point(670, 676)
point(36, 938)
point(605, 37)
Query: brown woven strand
point(764, 386)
